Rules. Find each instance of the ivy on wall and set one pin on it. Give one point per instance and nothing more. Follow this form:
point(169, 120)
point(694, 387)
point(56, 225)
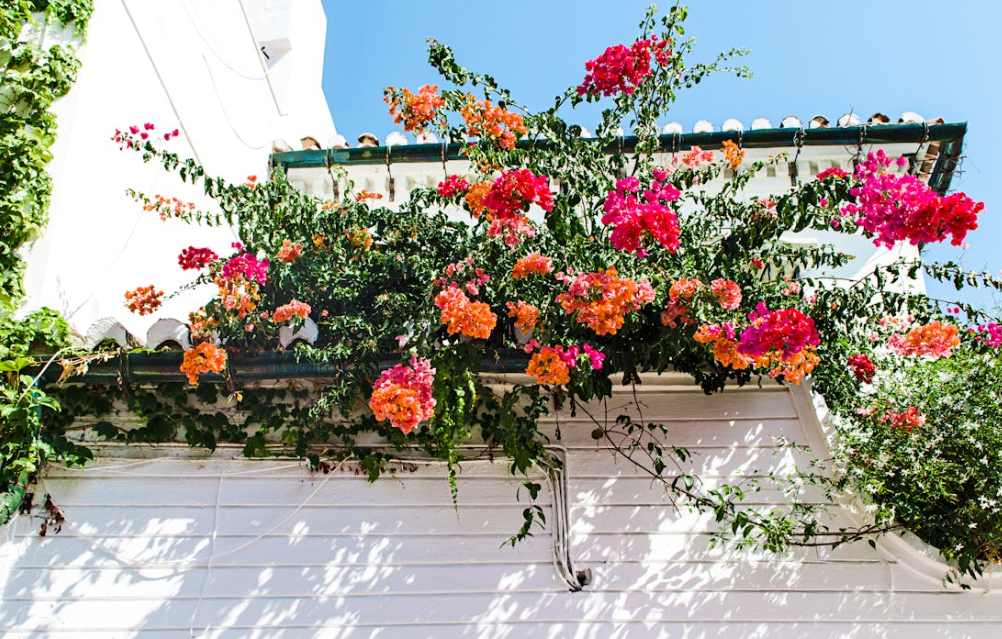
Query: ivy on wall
point(32, 77)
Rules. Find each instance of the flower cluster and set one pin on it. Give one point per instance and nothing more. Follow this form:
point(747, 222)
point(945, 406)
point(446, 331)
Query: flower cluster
point(204, 358)
point(697, 157)
point(734, 154)
point(144, 300)
point(636, 217)
point(621, 68)
point(403, 394)
point(475, 197)
point(934, 340)
point(532, 264)
point(126, 140)
point(896, 208)
point(247, 266)
point(990, 334)
point(489, 122)
point(453, 186)
point(360, 239)
point(456, 273)
point(286, 312)
point(832, 172)
point(169, 207)
point(289, 252)
point(727, 292)
point(548, 367)
point(601, 299)
point(907, 420)
point(415, 110)
point(862, 368)
point(465, 317)
point(680, 297)
point(723, 340)
point(193, 258)
point(786, 331)
point(365, 196)
point(526, 315)
point(509, 197)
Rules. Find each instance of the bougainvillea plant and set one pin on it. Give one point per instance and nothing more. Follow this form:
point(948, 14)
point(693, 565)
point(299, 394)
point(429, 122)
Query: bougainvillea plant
point(594, 266)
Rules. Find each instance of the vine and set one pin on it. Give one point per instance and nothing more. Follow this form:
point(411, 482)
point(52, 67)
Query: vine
point(596, 263)
point(32, 76)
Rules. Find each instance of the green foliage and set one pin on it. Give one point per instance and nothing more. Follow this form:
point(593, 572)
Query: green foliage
point(31, 78)
point(370, 273)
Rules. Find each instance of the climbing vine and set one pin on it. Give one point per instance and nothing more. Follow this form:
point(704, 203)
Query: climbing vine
point(33, 74)
point(585, 265)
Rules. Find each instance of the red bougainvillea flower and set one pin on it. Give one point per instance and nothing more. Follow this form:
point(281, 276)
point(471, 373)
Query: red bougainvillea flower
point(452, 186)
point(990, 334)
point(548, 367)
point(492, 123)
point(934, 340)
point(515, 191)
point(621, 69)
point(247, 266)
point(833, 172)
point(637, 217)
point(415, 110)
point(193, 258)
point(289, 252)
point(532, 264)
point(204, 358)
point(786, 331)
point(906, 421)
point(727, 292)
point(862, 368)
point(678, 310)
point(895, 208)
point(461, 316)
point(403, 394)
point(286, 312)
point(144, 300)
point(601, 299)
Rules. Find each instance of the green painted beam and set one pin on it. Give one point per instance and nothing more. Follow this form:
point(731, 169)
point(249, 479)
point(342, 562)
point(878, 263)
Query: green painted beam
point(762, 138)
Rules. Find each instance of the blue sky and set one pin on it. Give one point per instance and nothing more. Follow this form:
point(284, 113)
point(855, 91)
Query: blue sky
point(807, 58)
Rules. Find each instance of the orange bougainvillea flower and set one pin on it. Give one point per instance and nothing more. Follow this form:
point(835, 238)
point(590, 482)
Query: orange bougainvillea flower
point(601, 299)
point(532, 264)
point(294, 308)
point(934, 340)
point(289, 252)
point(475, 198)
point(733, 154)
point(204, 358)
point(368, 195)
point(361, 239)
point(526, 315)
point(144, 300)
point(415, 110)
point(463, 317)
point(547, 367)
point(489, 122)
point(680, 297)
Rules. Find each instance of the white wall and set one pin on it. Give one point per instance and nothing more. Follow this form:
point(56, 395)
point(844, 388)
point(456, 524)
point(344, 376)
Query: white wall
point(178, 64)
point(180, 545)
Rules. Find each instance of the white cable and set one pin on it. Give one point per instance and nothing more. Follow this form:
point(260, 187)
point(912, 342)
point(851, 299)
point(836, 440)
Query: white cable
point(229, 120)
point(194, 23)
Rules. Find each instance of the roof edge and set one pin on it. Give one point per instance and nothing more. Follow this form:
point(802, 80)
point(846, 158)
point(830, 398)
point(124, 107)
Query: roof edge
point(951, 135)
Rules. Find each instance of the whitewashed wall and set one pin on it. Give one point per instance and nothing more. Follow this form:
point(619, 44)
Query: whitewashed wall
point(177, 546)
point(177, 64)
